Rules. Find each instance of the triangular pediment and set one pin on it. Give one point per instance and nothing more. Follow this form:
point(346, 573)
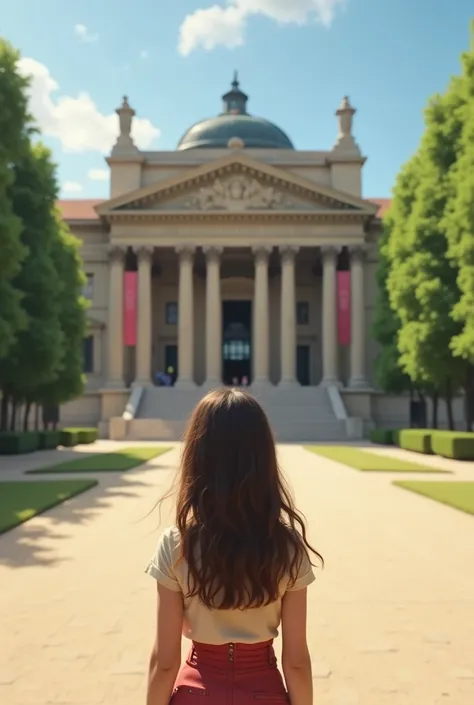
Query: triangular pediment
point(236, 184)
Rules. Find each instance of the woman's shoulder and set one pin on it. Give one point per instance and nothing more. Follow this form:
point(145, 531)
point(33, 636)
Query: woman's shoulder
point(171, 538)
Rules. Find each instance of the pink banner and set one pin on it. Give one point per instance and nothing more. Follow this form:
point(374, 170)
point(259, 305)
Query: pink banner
point(344, 308)
point(130, 308)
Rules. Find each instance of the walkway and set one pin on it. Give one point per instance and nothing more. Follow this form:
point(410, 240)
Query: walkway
point(390, 617)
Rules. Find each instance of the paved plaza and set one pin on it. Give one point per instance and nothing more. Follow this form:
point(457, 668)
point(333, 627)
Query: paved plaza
point(391, 616)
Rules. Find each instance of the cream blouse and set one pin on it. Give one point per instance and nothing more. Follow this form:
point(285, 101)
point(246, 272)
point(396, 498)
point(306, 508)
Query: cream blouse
point(209, 626)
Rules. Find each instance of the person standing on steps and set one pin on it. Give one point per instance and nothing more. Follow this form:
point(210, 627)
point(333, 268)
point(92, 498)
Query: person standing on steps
point(234, 568)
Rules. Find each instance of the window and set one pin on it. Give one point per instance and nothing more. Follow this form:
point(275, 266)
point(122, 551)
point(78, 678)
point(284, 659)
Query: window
point(171, 313)
point(88, 354)
point(88, 288)
point(302, 313)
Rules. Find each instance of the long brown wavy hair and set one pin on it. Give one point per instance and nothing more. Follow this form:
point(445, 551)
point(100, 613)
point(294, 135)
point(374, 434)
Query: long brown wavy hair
point(240, 532)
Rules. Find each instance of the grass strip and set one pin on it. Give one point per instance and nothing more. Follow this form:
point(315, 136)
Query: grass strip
point(20, 501)
point(118, 461)
point(459, 495)
point(370, 462)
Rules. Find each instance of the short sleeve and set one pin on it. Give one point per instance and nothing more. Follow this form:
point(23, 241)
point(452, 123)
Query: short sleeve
point(305, 575)
point(161, 565)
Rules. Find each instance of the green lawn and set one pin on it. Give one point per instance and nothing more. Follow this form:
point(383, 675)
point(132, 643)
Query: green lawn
point(369, 462)
point(20, 501)
point(459, 495)
point(118, 461)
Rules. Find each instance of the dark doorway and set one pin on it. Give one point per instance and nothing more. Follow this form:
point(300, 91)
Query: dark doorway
point(236, 341)
point(302, 364)
point(171, 361)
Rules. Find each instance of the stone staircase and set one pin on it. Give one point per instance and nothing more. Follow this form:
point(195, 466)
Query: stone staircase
point(296, 414)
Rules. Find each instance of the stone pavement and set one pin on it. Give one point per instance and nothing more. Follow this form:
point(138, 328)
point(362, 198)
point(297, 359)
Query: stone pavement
point(390, 618)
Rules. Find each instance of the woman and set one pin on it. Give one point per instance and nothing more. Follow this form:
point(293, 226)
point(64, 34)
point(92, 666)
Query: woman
point(235, 565)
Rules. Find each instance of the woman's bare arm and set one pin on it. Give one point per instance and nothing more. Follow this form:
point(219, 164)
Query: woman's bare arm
point(296, 661)
point(165, 657)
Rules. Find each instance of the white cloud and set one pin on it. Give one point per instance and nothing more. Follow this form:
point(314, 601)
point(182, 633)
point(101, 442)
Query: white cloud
point(217, 25)
point(81, 31)
point(76, 121)
point(71, 187)
point(98, 174)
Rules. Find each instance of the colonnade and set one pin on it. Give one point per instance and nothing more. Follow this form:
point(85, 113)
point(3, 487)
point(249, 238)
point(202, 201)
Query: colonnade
point(261, 317)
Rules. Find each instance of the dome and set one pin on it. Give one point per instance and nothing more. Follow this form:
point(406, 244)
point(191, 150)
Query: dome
point(235, 122)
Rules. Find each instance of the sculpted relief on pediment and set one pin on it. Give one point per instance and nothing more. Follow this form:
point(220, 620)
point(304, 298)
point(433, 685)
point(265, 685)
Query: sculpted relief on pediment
point(238, 193)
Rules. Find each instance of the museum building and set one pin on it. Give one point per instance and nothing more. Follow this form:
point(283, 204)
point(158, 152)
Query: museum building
point(234, 258)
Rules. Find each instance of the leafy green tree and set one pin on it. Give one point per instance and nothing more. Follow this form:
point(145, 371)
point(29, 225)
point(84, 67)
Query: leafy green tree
point(15, 126)
point(422, 282)
point(388, 373)
point(37, 352)
point(459, 225)
point(68, 382)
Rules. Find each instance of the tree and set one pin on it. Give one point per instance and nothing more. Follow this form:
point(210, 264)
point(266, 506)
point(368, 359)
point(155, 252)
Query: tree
point(36, 355)
point(422, 282)
point(386, 325)
point(15, 124)
point(388, 373)
point(68, 382)
point(459, 225)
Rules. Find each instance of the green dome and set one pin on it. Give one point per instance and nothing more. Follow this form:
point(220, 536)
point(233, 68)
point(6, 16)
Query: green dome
point(235, 122)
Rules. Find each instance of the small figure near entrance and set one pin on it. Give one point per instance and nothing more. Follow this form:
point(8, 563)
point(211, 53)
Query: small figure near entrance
point(234, 567)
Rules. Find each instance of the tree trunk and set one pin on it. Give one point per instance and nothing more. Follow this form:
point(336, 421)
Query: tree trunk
point(434, 418)
point(4, 413)
point(13, 415)
point(26, 416)
point(37, 417)
point(449, 405)
point(469, 399)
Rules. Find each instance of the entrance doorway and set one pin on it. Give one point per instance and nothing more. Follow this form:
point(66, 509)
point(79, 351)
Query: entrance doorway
point(302, 364)
point(236, 341)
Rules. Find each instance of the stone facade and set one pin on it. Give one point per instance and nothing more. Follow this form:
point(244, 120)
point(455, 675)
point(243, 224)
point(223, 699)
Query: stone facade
point(266, 229)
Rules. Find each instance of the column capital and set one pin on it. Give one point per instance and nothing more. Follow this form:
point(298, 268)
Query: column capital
point(213, 253)
point(185, 252)
point(288, 252)
point(330, 252)
point(262, 252)
point(357, 252)
point(116, 253)
point(144, 253)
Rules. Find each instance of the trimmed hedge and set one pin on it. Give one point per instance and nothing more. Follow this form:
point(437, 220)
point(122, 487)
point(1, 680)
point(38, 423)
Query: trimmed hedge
point(384, 436)
point(416, 439)
point(16, 442)
point(74, 436)
point(49, 440)
point(458, 445)
point(87, 435)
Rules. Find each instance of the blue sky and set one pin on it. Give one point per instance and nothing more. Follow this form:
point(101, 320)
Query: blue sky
point(296, 59)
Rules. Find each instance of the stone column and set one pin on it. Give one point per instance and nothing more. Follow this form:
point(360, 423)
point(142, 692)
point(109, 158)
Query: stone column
point(288, 317)
point(115, 323)
point(329, 322)
point(357, 378)
point(213, 317)
point(143, 359)
point(185, 318)
point(261, 318)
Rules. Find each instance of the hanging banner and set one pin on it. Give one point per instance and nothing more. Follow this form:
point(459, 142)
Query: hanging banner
point(130, 308)
point(344, 308)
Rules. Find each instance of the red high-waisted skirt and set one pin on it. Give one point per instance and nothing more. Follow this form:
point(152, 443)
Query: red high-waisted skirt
point(230, 674)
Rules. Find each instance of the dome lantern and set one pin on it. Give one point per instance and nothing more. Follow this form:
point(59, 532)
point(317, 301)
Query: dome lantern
point(235, 100)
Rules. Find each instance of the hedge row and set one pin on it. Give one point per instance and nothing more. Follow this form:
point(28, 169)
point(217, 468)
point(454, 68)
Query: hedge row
point(448, 444)
point(16, 442)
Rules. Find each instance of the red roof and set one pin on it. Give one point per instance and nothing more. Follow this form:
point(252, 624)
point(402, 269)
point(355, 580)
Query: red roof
point(83, 209)
point(79, 208)
point(383, 203)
